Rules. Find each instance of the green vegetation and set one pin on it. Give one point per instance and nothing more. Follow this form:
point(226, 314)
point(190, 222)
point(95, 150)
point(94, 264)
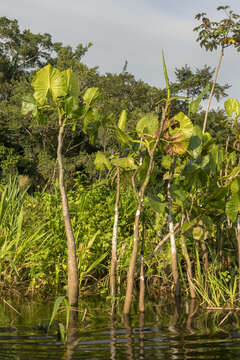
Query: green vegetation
point(150, 199)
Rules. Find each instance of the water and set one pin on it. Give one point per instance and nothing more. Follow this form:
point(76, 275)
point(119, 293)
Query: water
point(164, 332)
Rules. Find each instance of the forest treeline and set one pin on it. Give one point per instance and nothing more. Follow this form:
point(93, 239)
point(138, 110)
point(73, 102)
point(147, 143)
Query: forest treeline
point(141, 173)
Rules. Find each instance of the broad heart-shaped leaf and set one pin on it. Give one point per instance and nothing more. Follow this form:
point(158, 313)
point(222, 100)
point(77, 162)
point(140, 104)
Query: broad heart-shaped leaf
point(122, 120)
point(180, 135)
point(101, 161)
point(233, 207)
point(232, 106)
point(49, 80)
point(125, 163)
point(71, 81)
point(29, 104)
point(148, 125)
point(194, 105)
point(91, 95)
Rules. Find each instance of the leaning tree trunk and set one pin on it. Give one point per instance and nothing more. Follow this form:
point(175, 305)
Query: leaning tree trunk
point(113, 269)
point(172, 234)
point(72, 288)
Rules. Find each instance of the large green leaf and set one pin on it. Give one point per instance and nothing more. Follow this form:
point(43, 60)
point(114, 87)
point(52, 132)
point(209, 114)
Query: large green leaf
point(101, 161)
point(195, 142)
point(122, 120)
point(29, 104)
point(148, 125)
point(91, 95)
point(71, 81)
point(71, 106)
point(179, 135)
point(49, 80)
point(125, 163)
point(232, 106)
point(233, 207)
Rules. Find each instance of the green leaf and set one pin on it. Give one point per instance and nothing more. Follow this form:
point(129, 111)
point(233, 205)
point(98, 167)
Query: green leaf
point(235, 186)
point(197, 232)
point(233, 207)
point(156, 204)
point(49, 80)
point(71, 106)
point(122, 120)
point(29, 104)
point(194, 105)
point(122, 137)
point(125, 163)
point(166, 76)
point(232, 106)
point(181, 134)
point(195, 142)
point(56, 306)
point(71, 81)
point(166, 162)
point(91, 95)
point(148, 125)
point(101, 161)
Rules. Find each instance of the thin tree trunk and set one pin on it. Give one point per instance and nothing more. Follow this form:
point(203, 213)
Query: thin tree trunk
point(113, 269)
point(172, 235)
point(238, 246)
point(212, 90)
point(189, 268)
point(131, 270)
point(142, 278)
point(73, 288)
point(205, 254)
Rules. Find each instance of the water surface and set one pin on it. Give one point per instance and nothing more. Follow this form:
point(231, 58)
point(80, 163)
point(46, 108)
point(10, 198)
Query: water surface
point(166, 331)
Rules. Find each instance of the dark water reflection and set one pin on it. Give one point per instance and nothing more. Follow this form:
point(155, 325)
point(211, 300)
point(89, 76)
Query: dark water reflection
point(166, 331)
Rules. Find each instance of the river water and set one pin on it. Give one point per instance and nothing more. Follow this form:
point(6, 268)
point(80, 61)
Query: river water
point(166, 331)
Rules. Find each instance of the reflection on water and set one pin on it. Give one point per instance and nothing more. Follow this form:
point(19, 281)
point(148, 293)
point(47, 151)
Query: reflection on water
point(165, 331)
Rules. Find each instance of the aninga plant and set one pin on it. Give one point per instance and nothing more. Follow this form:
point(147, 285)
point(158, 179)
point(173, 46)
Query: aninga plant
point(56, 96)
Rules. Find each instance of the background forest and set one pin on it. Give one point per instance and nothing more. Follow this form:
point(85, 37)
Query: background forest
point(193, 186)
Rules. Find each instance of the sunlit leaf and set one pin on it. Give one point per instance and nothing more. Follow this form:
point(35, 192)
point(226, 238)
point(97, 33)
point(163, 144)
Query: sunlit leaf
point(148, 125)
point(233, 207)
point(122, 120)
point(91, 95)
point(126, 163)
point(29, 104)
point(232, 106)
point(49, 80)
point(101, 161)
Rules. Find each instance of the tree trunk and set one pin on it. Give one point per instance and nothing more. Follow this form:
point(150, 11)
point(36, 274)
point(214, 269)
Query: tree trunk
point(238, 246)
point(189, 268)
point(142, 278)
point(131, 270)
point(172, 235)
point(113, 269)
point(212, 90)
point(72, 289)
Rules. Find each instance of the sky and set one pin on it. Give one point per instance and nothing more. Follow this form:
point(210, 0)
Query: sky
point(132, 30)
